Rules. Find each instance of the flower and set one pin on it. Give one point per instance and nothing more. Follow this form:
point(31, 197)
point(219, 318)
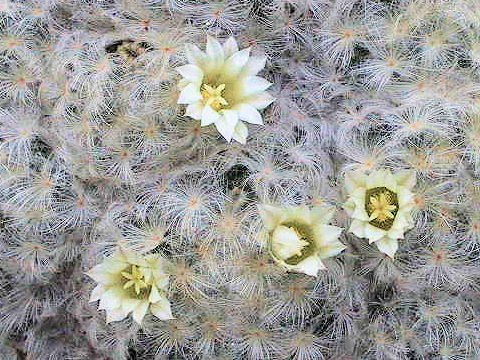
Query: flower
point(298, 238)
point(380, 205)
point(130, 282)
point(221, 87)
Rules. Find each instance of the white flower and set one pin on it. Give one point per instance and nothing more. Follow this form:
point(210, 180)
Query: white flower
point(380, 205)
point(299, 237)
point(221, 87)
point(130, 282)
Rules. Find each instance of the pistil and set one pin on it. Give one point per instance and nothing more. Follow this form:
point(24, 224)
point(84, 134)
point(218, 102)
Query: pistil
point(213, 96)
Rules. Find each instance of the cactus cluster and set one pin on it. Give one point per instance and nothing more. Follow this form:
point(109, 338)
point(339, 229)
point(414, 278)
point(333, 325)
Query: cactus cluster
point(141, 219)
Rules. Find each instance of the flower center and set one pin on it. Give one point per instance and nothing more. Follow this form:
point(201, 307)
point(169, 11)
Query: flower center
point(381, 205)
point(213, 96)
point(135, 279)
point(302, 247)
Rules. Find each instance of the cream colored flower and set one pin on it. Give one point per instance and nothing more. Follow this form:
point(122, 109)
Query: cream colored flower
point(380, 205)
point(298, 238)
point(129, 282)
point(221, 87)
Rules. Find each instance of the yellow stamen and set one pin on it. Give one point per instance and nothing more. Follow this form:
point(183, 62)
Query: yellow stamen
point(382, 207)
point(213, 96)
point(135, 279)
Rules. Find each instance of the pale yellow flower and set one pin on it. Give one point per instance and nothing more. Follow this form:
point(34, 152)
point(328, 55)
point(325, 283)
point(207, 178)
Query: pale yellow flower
point(298, 238)
point(221, 87)
point(129, 282)
point(380, 205)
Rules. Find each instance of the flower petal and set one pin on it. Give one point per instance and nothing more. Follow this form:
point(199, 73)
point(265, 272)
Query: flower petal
point(133, 257)
point(396, 233)
point(191, 72)
point(162, 309)
point(349, 206)
point(128, 305)
point(255, 64)
point(360, 213)
point(354, 180)
point(114, 265)
point(116, 315)
point(230, 46)
point(300, 214)
point(190, 94)
point(112, 298)
point(401, 221)
point(358, 196)
point(376, 179)
point(161, 281)
point(195, 110)
point(194, 54)
point(322, 213)
point(326, 240)
point(253, 85)
point(357, 228)
point(226, 124)
point(331, 249)
point(286, 243)
point(182, 83)
point(101, 276)
point(260, 101)
point(154, 295)
point(209, 116)
point(372, 233)
point(215, 52)
point(147, 274)
point(140, 311)
point(241, 132)
point(235, 63)
point(330, 234)
point(310, 266)
point(248, 113)
point(97, 293)
point(405, 197)
point(390, 181)
point(271, 215)
point(388, 246)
